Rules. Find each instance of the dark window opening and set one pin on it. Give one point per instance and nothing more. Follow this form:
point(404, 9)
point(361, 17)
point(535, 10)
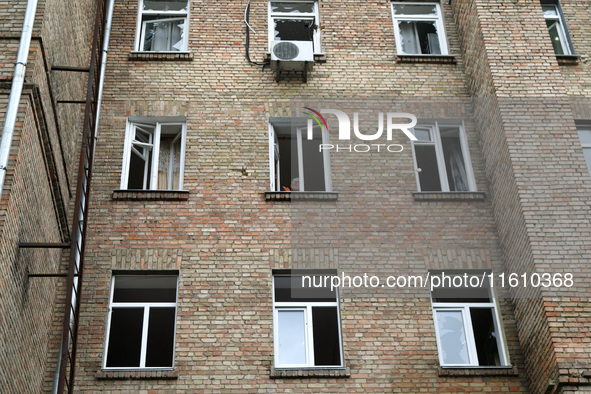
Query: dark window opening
point(326, 336)
point(427, 166)
point(294, 29)
point(125, 337)
point(160, 346)
point(485, 337)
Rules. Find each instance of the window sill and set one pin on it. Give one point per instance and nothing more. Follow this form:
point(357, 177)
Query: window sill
point(277, 373)
point(568, 60)
point(186, 56)
point(478, 371)
point(158, 195)
point(449, 196)
point(301, 196)
point(439, 59)
point(138, 374)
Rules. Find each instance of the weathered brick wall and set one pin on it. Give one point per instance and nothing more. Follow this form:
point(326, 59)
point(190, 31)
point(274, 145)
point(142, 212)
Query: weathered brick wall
point(227, 238)
point(36, 196)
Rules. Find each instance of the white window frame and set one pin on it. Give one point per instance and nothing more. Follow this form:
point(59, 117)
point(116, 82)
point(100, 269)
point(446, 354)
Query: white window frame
point(433, 128)
point(155, 146)
point(441, 35)
point(167, 16)
point(309, 334)
point(313, 16)
point(565, 41)
point(584, 125)
point(464, 308)
point(274, 153)
point(145, 322)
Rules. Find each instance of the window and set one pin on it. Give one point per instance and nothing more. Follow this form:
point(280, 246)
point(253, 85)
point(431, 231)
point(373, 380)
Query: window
point(556, 27)
point(295, 155)
point(306, 323)
point(418, 29)
point(141, 322)
point(467, 325)
point(294, 21)
point(585, 138)
point(162, 26)
point(154, 154)
point(441, 158)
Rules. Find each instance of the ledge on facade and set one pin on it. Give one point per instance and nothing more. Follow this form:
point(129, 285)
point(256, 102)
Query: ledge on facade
point(449, 196)
point(440, 59)
point(318, 58)
point(568, 60)
point(160, 195)
point(478, 371)
point(310, 373)
point(301, 196)
point(138, 374)
point(187, 56)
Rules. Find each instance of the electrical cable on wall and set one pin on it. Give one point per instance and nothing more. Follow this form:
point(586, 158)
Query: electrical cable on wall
point(248, 29)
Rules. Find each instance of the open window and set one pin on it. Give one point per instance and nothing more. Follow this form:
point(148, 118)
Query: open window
point(154, 154)
point(306, 325)
point(295, 155)
point(294, 21)
point(141, 322)
point(162, 26)
point(468, 326)
point(441, 157)
point(557, 27)
point(418, 29)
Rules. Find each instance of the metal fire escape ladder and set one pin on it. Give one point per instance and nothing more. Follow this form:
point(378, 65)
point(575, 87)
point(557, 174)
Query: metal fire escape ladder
point(66, 369)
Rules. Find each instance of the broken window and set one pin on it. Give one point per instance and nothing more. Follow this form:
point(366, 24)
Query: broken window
point(307, 325)
point(441, 157)
point(294, 21)
point(556, 27)
point(162, 26)
point(141, 322)
point(154, 155)
point(418, 29)
point(297, 161)
point(467, 325)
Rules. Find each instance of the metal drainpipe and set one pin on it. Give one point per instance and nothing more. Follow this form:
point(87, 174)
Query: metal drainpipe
point(110, 6)
point(18, 80)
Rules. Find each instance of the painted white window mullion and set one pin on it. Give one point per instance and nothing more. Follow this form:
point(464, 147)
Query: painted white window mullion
point(309, 336)
point(129, 134)
point(144, 337)
point(272, 169)
point(466, 157)
point(326, 160)
point(300, 160)
point(440, 158)
point(155, 157)
point(470, 340)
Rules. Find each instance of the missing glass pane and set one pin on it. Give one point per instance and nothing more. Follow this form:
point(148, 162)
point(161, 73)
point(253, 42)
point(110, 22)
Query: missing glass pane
point(455, 166)
point(294, 29)
point(485, 337)
point(125, 337)
point(427, 167)
point(160, 345)
point(163, 34)
point(327, 349)
point(419, 37)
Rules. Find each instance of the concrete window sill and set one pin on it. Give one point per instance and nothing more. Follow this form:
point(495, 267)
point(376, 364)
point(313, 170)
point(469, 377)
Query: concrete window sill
point(478, 371)
point(568, 60)
point(438, 59)
point(153, 195)
point(301, 196)
point(138, 374)
point(160, 56)
point(310, 373)
point(449, 196)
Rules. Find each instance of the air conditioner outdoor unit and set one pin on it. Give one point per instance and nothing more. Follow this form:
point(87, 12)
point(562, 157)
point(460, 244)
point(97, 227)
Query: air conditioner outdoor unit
point(292, 55)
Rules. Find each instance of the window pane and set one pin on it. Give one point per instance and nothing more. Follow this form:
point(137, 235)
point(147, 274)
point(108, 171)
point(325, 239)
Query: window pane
point(292, 7)
point(290, 289)
point(294, 30)
point(169, 164)
point(313, 164)
point(164, 35)
point(327, 349)
point(292, 337)
point(485, 337)
point(427, 164)
point(153, 288)
point(454, 159)
point(140, 163)
point(587, 153)
point(555, 35)
point(415, 9)
point(165, 5)
point(584, 135)
point(160, 347)
point(422, 135)
point(452, 337)
point(550, 10)
point(125, 337)
point(419, 37)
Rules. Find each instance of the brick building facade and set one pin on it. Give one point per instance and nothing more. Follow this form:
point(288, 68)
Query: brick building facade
point(191, 240)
